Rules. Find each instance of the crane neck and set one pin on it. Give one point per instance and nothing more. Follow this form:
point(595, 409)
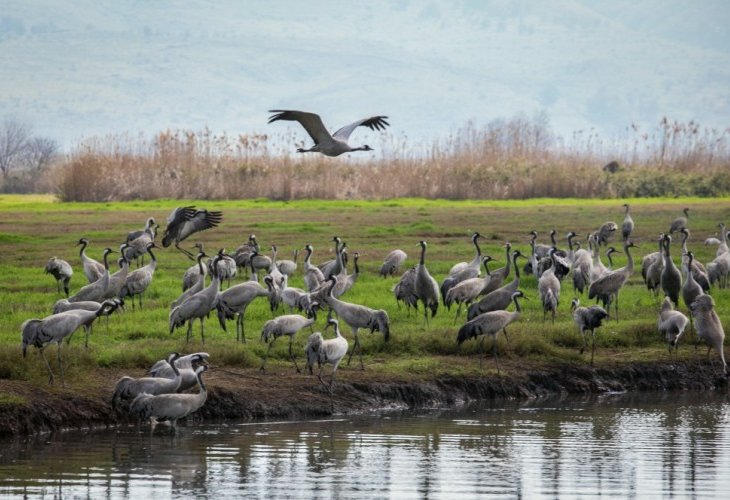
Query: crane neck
point(507, 263)
point(83, 248)
point(518, 308)
point(423, 255)
point(517, 268)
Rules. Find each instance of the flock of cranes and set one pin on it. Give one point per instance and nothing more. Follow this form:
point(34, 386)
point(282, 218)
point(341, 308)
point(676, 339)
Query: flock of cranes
point(487, 297)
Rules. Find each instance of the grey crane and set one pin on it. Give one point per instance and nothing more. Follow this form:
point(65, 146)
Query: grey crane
point(582, 267)
point(708, 325)
point(64, 305)
point(186, 365)
point(61, 271)
point(324, 142)
point(321, 351)
point(138, 241)
point(690, 289)
point(195, 287)
point(170, 407)
point(490, 323)
point(670, 279)
point(96, 290)
point(295, 298)
point(671, 324)
point(184, 221)
point(193, 274)
point(597, 267)
point(405, 290)
point(242, 255)
point(53, 329)
point(500, 298)
point(334, 266)
point(628, 225)
point(474, 265)
point(346, 281)
point(588, 319)
point(608, 286)
point(392, 263)
point(425, 286)
point(128, 388)
point(93, 270)
point(288, 324)
point(313, 276)
point(468, 290)
point(548, 287)
point(723, 245)
point(699, 272)
point(605, 232)
point(118, 279)
point(680, 222)
point(652, 266)
point(140, 279)
point(197, 306)
point(357, 316)
point(288, 267)
point(279, 279)
point(227, 268)
point(233, 302)
point(501, 274)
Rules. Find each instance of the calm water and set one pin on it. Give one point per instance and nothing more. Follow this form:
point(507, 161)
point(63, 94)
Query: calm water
point(656, 445)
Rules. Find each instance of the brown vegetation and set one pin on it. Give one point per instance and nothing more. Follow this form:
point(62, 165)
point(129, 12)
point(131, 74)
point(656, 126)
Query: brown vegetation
point(507, 159)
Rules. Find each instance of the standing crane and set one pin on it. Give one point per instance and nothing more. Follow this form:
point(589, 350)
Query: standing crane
point(708, 325)
point(61, 271)
point(186, 365)
point(288, 324)
point(490, 323)
point(425, 287)
point(321, 351)
point(672, 324)
point(607, 287)
point(93, 270)
point(128, 388)
point(628, 226)
point(588, 319)
point(140, 279)
point(392, 263)
point(196, 306)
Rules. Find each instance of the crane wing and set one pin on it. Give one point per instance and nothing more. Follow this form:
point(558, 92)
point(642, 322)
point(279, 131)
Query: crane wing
point(373, 123)
point(311, 122)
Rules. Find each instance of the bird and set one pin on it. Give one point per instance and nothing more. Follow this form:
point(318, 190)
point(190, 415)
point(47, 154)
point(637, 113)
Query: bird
point(358, 316)
point(313, 276)
point(670, 279)
point(588, 319)
point(93, 270)
point(192, 274)
point(405, 290)
point(548, 287)
point(334, 266)
point(723, 245)
point(138, 241)
point(186, 365)
point(605, 232)
point(699, 272)
point(170, 407)
point(501, 274)
point(607, 287)
point(474, 265)
point(690, 288)
point(324, 142)
point(195, 287)
point(500, 298)
point(346, 281)
point(227, 268)
point(392, 263)
point(56, 327)
point(708, 326)
point(288, 267)
point(140, 279)
point(652, 266)
point(288, 324)
point(680, 222)
point(61, 270)
point(425, 287)
point(278, 278)
point(184, 221)
point(232, 302)
point(321, 351)
point(95, 290)
point(490, 323)
point(628, 225)
point(119, 278)
point(671, 324)
point(197, 306)
point(128, 388)
point(242, 255)
point(468, 290)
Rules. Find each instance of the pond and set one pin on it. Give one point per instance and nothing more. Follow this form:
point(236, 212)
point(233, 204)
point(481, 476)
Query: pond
point(618, 445)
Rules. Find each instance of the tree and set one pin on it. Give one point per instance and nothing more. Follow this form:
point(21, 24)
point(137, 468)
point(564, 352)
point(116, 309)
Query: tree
point(39, 153)
point(14, 140)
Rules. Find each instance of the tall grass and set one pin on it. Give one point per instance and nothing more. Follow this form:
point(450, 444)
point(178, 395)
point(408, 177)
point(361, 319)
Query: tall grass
point(506, 159)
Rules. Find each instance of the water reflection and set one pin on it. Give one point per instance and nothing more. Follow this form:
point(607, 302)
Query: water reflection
point(616, 445)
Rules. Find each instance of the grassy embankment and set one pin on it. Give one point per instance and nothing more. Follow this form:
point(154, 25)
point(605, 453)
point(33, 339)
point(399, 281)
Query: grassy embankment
point(33, 228)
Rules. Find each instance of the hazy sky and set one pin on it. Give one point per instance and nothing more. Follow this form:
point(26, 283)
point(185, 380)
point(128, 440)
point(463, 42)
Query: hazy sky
point(83, 68)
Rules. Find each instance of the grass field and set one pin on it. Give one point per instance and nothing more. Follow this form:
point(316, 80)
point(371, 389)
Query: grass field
point(34, 228)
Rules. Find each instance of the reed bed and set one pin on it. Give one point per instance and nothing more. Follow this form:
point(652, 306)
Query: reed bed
point(517, 158)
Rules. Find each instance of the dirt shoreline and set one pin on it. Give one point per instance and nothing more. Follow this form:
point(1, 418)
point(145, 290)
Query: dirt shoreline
point(247, 394)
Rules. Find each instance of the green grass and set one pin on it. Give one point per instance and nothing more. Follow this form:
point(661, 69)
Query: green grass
point(33, 228)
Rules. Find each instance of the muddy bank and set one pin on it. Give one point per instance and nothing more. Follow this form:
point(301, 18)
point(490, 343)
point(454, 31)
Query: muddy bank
point(245, 394)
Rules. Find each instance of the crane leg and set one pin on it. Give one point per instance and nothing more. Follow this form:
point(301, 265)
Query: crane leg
point(593, 346)
point(266, 356)
point(505, 336)
point(190, 331)
point(494, 353)
point(190, 255)
point(291, 354)
point(483, 352)
point(202, 330)
point(60, 365)
point(48, 367)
